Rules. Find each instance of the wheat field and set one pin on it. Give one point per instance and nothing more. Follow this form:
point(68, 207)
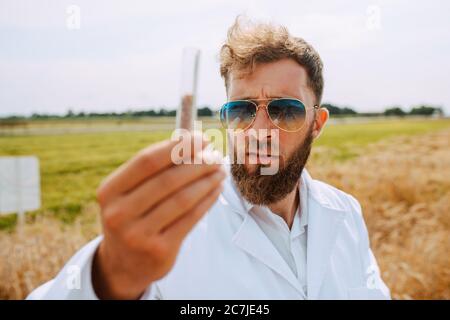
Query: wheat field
point(402, 183)
point(403, 186)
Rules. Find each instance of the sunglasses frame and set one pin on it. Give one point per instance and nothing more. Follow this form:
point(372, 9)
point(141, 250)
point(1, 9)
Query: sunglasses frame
point(266, 106)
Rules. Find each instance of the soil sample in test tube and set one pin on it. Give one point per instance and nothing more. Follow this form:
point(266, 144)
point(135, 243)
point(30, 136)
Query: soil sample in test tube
point(187, 111)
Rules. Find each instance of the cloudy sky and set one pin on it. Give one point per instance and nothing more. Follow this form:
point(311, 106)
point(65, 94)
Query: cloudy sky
point(127, 54)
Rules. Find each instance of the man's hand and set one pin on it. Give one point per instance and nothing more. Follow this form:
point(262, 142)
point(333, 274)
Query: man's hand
point(148, 205)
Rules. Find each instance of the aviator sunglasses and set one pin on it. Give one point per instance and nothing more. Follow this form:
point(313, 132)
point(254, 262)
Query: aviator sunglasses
point(287, 114)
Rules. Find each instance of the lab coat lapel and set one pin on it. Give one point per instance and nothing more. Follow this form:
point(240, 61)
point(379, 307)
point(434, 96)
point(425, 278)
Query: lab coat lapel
point(324, 222)
point(252, 240)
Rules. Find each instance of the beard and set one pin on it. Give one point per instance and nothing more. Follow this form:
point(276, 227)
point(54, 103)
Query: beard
point(263, 190)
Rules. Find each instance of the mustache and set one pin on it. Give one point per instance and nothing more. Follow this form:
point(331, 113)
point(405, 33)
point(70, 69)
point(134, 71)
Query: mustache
point(260, 139)
point(264, 147)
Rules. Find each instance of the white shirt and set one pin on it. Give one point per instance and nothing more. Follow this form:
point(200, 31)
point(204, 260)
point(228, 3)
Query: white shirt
point(291, 244)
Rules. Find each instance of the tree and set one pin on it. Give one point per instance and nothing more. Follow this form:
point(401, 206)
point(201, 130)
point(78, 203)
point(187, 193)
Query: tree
point(425, 110)
point(70, 114)
point(335, 110)
point(394, 111)
point(205, 112)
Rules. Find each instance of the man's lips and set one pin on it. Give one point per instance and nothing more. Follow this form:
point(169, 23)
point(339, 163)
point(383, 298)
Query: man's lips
point(262, 158)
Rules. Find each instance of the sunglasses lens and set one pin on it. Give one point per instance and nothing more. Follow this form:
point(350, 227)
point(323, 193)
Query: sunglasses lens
point(237, 114)
point(287, 114)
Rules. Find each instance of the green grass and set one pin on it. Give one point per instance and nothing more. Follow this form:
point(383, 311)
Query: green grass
point(345, 139)
point(73, 165)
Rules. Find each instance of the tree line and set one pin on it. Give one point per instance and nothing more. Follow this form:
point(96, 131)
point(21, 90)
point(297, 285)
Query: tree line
point(205, 111)
point(420, 110)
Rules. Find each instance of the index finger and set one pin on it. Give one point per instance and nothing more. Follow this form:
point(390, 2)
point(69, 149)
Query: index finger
point(143, 165)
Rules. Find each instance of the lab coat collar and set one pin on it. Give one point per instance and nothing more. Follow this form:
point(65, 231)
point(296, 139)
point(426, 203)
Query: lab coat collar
point(324, 221)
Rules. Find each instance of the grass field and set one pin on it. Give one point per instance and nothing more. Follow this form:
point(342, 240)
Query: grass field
point(397, 169)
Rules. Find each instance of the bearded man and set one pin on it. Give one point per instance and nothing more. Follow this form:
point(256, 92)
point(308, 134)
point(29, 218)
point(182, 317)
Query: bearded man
point(209, 231)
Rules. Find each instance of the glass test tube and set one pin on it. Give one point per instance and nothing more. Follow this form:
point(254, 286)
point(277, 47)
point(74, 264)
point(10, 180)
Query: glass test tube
point(187, 111)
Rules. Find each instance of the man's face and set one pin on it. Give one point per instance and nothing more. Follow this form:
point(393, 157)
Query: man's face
point(280, 79)
point(283, 78)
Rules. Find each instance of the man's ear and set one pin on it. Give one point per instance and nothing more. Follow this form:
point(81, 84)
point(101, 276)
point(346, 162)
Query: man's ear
point(321, 117)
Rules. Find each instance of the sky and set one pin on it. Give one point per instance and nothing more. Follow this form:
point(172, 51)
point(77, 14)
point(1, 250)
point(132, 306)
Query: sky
point(104, 56)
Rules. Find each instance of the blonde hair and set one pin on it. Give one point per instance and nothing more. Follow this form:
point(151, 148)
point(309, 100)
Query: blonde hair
point(251, 43)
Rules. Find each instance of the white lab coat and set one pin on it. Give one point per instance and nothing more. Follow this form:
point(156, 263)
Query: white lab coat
point(227, 256)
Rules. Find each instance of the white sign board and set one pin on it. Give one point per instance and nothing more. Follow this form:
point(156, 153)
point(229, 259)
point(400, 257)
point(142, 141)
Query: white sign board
point(19, 184)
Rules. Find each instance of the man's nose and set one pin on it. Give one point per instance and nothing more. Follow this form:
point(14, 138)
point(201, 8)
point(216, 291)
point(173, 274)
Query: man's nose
point(262, 120)
point(260, 131)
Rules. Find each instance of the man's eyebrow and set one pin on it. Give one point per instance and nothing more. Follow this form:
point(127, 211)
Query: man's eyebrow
point(254, 98)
